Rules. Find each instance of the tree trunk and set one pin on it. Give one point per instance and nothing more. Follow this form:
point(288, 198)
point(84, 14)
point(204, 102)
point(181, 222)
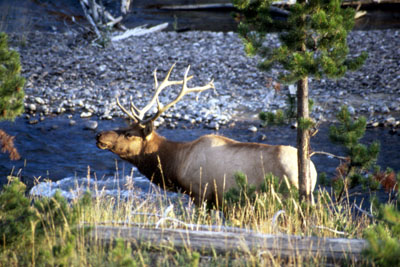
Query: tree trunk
point(303, 140)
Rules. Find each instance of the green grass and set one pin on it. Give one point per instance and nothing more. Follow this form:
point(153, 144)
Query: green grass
point(51, 231)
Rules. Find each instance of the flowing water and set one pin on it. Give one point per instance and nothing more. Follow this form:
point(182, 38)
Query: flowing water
point(68, 155)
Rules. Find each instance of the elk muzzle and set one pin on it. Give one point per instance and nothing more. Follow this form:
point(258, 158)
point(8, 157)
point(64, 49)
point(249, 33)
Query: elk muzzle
point(106, 140)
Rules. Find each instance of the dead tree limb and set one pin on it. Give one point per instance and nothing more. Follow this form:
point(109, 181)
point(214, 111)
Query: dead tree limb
point(283, 246)
point(102, 21)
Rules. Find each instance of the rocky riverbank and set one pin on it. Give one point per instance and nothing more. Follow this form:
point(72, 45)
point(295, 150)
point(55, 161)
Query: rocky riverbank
point(66, 74)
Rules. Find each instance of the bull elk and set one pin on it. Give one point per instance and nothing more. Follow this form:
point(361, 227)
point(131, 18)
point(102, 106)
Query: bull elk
point(203, 168)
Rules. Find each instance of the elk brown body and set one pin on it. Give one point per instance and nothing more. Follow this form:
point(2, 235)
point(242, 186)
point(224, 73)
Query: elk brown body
point(203, 168)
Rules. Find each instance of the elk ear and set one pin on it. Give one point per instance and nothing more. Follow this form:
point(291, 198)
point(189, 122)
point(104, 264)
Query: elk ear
point(148, 129)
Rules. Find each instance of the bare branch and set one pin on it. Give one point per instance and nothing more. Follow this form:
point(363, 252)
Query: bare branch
point(327, 154)
point(125, 5)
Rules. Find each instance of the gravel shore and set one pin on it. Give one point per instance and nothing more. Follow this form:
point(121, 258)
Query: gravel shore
point(66, 74)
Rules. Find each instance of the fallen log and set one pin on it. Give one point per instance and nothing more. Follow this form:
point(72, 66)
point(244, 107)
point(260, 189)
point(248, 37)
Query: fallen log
point(283, 246)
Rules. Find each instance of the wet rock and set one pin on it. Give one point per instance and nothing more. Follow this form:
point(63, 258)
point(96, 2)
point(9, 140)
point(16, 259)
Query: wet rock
point(390, 120)
point(352, 110)
point(39, 100)
point(72, 122)
point(375, 124)
point(90, 125)
point(262, 137)
point(87, 114)
point(33, 121)
point(385, 109)
point(213, 125)
point(83, 79)
point(32, 107)
point(253, 129)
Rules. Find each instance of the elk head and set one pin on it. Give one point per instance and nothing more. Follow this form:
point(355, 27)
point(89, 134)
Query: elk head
point(132, 141)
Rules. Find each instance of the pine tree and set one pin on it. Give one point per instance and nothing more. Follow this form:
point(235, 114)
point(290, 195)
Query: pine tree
point(11, 83)
point(11, 92)
point(384, 236)
point(360, 157)
point(312, 43)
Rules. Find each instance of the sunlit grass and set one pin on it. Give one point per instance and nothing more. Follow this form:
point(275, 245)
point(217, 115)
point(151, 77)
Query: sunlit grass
point(74, 241)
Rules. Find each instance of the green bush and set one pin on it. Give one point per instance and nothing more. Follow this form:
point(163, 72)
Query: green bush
point(360, 157)
point(384, 238)
point(42, 232)
point(245, 194)
point(11, 83)
point(241, 194)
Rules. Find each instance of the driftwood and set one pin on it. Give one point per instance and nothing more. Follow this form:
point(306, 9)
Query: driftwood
point(101, 20)
point(138, 31)
point(214, 6)
point(281, 246)
point(211, 6)
point(369, 2)
point(197, 6)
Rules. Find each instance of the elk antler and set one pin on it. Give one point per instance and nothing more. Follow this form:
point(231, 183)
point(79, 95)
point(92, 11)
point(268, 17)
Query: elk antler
point(138, 114)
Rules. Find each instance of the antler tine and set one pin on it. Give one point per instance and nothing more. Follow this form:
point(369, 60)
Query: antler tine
point(131, 115)
point(138, 114)
point(165, 83)
point(209, 85)
point(185, 90)
point(155, 78)
point(135, 111)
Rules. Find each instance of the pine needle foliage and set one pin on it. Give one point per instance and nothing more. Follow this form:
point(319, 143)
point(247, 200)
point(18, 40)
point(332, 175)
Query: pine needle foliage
point(313, 43)
point(25, 227)
point(384, 238)
point(321, 26)
point(348, 133)
point(15, 216)
point(11, 83)
point(360, 157)
point(281, 117)
point(242, 193)
point(247, 194)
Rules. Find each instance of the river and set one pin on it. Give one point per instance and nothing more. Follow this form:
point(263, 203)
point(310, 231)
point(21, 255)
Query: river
point(57, 151)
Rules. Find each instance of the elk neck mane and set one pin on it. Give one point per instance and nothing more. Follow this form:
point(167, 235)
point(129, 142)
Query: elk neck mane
point(158, 160)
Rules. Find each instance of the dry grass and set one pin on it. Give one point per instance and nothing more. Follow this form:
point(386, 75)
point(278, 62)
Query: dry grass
point(271, 213)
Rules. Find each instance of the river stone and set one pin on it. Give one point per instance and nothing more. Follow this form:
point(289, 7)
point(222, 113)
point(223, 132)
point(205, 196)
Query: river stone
point(393, 131)
point(39, 100)
point(90, 125)
point(375, 124)
point(32, 107)
point(351, 110)
point(241, 87)
point(213, 125)
point(253, 129)
point(87, 114)
point(390, 120)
